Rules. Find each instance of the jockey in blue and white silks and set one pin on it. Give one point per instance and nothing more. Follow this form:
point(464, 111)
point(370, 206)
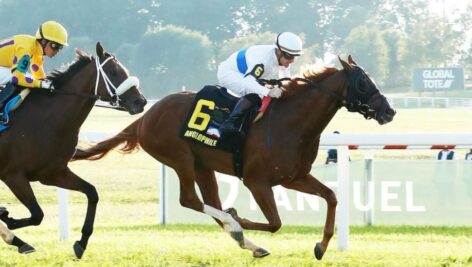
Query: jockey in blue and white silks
point(240, 72)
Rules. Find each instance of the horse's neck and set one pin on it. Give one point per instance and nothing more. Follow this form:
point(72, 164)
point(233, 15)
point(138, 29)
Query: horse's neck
point(314, 108)
point(75, 108)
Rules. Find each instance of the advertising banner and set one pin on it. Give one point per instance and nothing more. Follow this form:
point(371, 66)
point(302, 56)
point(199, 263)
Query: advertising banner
point(441, 79)
point(417, 192)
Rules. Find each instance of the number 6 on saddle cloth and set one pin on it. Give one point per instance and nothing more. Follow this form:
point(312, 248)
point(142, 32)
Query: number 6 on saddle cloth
point(211, 108)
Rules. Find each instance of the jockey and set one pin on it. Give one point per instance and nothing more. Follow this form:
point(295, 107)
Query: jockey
point(241, 71)
point(21, 59)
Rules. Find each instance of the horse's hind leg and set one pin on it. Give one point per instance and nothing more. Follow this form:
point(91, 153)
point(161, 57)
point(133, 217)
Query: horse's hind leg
point(71, 181)
point(21, 188)
point(11, 239)
point(189, 199)
point(206, 181)
point(311, 185)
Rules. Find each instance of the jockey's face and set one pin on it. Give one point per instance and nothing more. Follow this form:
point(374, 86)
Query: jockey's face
point(284, 59)
point(51, 49)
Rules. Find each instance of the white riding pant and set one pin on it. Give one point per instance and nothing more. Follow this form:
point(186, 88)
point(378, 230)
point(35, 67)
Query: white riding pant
point(5, 75)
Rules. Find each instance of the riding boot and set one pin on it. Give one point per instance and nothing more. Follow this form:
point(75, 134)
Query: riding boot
point(229, 125)
point(5, 94)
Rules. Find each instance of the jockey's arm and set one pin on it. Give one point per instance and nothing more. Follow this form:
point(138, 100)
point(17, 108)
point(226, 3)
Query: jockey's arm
point(37, 69)
point(21, 67)
point(284, 72)
point(250, 85)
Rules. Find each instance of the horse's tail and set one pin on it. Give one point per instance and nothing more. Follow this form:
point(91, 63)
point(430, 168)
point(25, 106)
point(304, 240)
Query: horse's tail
point(128, 136)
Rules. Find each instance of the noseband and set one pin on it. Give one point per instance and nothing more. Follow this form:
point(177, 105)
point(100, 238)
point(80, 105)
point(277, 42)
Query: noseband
point(116, 92)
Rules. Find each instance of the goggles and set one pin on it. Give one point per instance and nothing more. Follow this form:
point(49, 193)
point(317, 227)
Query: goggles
point(288, 56)
point(56, 46)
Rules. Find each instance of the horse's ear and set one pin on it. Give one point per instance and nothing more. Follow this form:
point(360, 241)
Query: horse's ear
point(100, 50)
point(351, 61)
point(81, 53)
point(345, 65)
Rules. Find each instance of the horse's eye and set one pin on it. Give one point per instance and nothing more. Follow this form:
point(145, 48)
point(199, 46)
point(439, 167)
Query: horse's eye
point(113, 73)
point(362, 85)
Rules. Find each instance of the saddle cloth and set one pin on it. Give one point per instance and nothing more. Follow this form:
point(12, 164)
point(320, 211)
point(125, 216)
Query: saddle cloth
point(211, 107)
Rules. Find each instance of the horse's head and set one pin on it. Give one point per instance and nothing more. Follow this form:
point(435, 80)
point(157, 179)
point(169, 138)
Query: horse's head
point(363, 96)
point(114, 84)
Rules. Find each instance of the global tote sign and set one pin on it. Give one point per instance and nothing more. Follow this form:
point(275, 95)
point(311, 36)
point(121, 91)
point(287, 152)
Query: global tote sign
point(430, 79)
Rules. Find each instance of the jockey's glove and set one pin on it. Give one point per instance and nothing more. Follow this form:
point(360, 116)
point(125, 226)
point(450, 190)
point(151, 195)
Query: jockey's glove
point(275, 92)
point(47, 85)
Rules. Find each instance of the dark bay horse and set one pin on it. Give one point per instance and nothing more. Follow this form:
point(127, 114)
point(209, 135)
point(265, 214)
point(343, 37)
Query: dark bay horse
point(279, 149)
point(45, 129)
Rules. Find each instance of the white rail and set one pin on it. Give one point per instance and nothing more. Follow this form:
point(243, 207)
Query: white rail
point(343, 142)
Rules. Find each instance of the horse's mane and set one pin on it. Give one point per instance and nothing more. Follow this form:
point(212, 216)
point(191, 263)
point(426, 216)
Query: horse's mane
point(317, 73)
point(314, 73)
point(60, 76)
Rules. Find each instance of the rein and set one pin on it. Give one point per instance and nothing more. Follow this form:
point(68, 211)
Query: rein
point(114, 94)
point(351, 101)
point(278, 82)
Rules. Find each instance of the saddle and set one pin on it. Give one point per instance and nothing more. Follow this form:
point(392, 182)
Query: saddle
point(12, 104)
point(211, 108)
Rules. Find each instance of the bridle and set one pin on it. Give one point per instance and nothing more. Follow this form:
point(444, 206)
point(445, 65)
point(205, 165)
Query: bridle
point(112, 91)
point(357, 98)
point(354, 101)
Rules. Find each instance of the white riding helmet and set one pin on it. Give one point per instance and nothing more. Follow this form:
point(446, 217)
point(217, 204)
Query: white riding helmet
point(289, 43)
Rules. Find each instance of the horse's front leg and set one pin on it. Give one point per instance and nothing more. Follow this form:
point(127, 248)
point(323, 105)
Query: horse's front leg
point(21, 188)
point(310, 185)
point(71, 181)
point(11, 239)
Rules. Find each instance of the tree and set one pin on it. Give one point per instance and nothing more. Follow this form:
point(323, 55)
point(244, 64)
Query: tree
point(369, 49)
point(398, 73)
point(171, 57)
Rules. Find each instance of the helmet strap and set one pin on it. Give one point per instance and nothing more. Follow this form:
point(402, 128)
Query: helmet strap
point(278, 55)
point(41, 31)
point(43, 42)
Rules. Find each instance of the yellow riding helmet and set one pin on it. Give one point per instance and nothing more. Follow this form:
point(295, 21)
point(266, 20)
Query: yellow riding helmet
point(52, 31)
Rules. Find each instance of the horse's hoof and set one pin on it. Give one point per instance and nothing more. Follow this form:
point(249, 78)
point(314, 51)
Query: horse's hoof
point(3, 212)
point(26, 249)
point(78, 250)
point(318, 251)
point(260, 253)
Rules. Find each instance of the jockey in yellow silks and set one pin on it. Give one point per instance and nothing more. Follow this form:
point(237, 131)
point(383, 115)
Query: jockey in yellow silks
point(21, 58)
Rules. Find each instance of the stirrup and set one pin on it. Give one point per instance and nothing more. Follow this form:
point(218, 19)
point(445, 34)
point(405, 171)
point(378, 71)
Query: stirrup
point(229, 128)
point(2, 121)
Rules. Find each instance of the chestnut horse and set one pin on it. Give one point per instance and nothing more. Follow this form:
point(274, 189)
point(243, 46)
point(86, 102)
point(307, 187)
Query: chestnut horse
point(279, 149)
point(45, 128)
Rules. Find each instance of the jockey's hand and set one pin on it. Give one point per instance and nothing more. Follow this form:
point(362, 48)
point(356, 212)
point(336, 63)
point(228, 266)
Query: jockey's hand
point(275, 92)
point(47, 85)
